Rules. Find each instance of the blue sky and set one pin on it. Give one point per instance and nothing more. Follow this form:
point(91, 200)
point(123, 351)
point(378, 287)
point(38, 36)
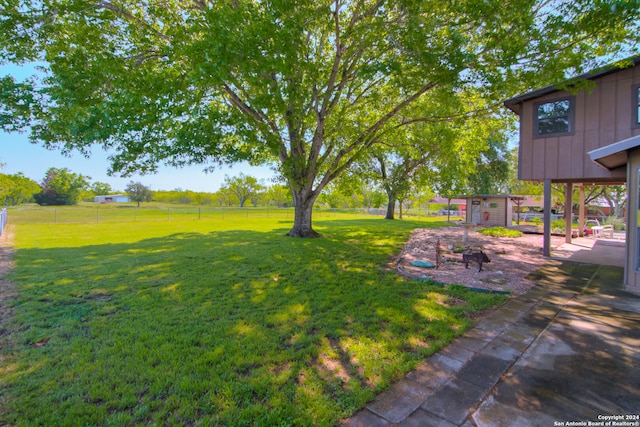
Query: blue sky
point(20, 155)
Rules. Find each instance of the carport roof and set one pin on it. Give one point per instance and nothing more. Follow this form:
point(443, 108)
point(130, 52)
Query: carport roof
point(615, 155)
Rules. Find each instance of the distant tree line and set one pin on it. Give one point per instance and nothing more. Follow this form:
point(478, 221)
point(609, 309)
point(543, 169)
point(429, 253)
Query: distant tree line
point(64, 187)
point(394, 184)
point(17, 189)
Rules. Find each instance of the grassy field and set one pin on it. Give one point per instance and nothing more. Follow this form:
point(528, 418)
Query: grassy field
point(162, 212)
point(214, 322)
point(129, 212)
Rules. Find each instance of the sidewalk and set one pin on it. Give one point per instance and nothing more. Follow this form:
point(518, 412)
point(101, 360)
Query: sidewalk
point(565, 351)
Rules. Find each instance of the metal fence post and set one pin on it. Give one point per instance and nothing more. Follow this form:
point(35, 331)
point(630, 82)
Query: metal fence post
point(3, 220)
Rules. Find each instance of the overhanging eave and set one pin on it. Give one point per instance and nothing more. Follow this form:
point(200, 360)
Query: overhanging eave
point(615, 155)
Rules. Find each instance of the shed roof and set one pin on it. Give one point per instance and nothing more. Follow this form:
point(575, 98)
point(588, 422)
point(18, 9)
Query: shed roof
point(454, 201)
point(525, 201)
point(514, 103)
point(615, 155)
point(493, 196)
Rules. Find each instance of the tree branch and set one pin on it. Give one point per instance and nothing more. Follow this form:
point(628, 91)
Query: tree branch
point(370, 136)
point(374, 128)
point(437, 119)
point(131, 17)
point(258, 116)
point(336, 64)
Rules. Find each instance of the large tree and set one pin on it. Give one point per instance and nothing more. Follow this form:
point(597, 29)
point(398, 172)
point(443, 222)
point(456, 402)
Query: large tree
point(61, 187)
point(519, 187)
point(244, 187)
point(17, 189)
point(138, 192)
point(308, 85)
point(616, 197)
point(413, 157)
point(101, 188)
point(278, 195)
point(492, 168)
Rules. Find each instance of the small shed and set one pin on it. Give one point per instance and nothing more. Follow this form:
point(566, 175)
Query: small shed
point(111, 198)
point(490, 209)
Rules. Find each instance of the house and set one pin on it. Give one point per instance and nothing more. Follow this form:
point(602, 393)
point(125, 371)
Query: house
point(591, 136)
point(112, 198)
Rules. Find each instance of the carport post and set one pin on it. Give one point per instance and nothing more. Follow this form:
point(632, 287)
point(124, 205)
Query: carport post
point(581, 214)
point(546, 219)
point(568, 211)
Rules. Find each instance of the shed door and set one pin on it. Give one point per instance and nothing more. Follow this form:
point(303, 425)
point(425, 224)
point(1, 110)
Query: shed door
point(475, 211)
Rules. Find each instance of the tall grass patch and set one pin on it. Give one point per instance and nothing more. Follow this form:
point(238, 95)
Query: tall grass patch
point(215, 323)
point(497, 231)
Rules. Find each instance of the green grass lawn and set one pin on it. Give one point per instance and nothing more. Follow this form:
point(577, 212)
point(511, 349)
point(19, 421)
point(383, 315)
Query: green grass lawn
point(215, 322)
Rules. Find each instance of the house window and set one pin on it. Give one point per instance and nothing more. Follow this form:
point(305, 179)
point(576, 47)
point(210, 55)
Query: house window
point(554, 118)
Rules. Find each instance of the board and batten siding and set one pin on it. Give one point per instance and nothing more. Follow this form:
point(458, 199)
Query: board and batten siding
point(603, 116)
point(500, 215)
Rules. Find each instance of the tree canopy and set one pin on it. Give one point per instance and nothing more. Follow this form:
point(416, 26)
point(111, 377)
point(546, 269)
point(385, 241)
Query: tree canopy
point(61, 187)
point(413, 158)
point(309, 86)
point(138, 192)
point(16, 189)
point(243, 187)
point(101, 188)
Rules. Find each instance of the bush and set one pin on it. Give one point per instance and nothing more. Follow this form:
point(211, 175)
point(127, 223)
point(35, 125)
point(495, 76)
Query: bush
point(618, 223)
point(500, 232)
point(558, 226)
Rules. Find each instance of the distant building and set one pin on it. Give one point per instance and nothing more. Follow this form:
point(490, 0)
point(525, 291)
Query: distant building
point(112, 198)
point(459, 204)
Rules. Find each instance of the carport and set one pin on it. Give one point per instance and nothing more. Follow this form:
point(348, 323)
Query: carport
point(626, 155)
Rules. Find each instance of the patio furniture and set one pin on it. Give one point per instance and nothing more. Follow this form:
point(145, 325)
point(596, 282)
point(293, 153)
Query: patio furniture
point(597, 230)
point(589, 226)
point(607, 231)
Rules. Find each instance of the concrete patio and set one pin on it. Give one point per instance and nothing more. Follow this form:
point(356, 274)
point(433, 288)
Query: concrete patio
point(593, 251)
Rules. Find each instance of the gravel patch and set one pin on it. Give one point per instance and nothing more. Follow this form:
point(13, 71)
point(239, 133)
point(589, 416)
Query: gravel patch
point(512, 259)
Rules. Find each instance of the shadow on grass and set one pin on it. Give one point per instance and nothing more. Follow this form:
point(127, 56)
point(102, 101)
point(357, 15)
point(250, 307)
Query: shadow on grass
point(233, 328)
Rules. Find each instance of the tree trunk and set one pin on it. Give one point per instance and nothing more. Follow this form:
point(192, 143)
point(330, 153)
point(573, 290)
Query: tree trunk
point(303, 210)
point(391, 208)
